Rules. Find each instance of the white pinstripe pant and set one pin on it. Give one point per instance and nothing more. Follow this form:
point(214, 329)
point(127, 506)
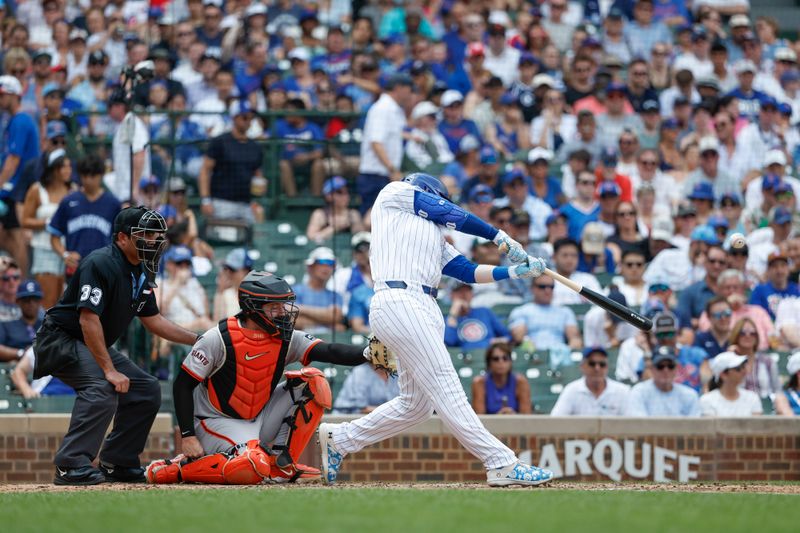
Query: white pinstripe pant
point(411, 324)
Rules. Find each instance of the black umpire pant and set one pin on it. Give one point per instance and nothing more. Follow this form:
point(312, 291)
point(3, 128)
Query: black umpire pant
point(97, 403)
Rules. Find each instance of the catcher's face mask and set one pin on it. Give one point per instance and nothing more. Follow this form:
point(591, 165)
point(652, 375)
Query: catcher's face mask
point(281, 315)
point(149, 239)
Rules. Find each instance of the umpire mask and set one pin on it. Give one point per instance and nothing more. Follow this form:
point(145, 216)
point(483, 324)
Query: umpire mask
point(149, 239)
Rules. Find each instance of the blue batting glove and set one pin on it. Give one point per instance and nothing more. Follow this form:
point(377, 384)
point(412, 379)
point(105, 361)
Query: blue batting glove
point(513, 250)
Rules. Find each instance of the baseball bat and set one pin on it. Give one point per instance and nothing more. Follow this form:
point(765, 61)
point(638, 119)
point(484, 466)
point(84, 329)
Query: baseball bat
point(616, 309)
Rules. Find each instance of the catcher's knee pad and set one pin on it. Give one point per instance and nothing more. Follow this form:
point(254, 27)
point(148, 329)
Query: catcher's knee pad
point(306, 412)
point(247, 464)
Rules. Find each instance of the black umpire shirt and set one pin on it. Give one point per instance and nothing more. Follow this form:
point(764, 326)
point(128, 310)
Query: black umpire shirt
point(109, 286)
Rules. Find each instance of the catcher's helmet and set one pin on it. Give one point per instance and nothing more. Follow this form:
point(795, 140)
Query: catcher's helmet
point(259, 288)
point(147, 228)
point(428, 183)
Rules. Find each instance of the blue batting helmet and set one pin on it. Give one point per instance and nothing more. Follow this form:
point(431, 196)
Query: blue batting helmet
point(427, 183)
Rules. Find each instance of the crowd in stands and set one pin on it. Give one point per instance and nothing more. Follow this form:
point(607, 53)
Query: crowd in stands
point(623, 141)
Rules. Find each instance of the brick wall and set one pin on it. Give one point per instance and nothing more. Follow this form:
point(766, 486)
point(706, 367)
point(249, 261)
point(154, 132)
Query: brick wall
point(29, 442)
point(757, 449)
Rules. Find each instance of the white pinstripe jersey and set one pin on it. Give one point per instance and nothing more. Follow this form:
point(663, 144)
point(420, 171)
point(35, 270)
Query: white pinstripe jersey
point(404, 246)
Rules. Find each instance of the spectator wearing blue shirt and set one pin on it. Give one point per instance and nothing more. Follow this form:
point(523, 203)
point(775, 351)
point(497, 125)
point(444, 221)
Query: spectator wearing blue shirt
point(337, 61)
point(542, 323)
point(301, 81)
point(83, 221)
point(715, 340)
point(249, 72)
point(16, 336)
point(365, 389)
point(470, 327)
point(543, 185)
point(211, 32)
point(358, 308)
point(643, 32)
point(320, 308)
point(660, 395)
point(498, 390)
point(594, 256)
point(188, 157)
point(300, 158)
point(20, 144)
point(583, 208)
point(454, 126)
point(750, 99)
point(777, 286)
point(693, 298)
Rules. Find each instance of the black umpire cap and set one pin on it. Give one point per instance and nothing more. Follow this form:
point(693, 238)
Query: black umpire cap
point(129, 218)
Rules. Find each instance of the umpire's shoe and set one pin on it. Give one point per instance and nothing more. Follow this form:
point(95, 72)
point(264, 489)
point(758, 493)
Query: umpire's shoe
point(84, 475)
point(123, 474)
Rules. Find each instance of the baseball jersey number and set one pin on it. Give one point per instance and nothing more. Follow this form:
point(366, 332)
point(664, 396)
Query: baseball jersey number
point(92, 294)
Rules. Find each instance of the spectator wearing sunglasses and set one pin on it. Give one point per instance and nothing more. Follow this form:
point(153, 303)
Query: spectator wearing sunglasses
point(761, 376)
point(10, 277)
point(498, 390)
point(594, 394)
point(336, 216)
point(471, 327)
point(726, 397)
point(320, 307)
point(715, 340)
point(694, 298)
point(544, 324)
point(660, 395)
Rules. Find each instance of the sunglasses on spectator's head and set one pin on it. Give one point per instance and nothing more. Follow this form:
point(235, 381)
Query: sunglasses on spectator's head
point(659, 287)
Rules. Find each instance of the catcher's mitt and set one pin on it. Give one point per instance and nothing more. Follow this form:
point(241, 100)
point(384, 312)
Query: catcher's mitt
point(380, 356)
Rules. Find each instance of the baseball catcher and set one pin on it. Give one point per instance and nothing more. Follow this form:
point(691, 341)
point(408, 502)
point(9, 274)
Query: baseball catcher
point(240, 423)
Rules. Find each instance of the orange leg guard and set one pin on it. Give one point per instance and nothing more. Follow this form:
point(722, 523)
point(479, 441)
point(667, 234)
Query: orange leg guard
point(247, 464)
point(315, 398)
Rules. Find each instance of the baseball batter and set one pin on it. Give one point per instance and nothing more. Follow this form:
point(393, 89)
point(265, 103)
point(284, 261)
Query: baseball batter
point(229, 403)
point(408, 255)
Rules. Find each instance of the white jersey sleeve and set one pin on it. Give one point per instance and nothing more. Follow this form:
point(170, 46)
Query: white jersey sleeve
point(207, 355)
point(448, 253)
point(300, 347)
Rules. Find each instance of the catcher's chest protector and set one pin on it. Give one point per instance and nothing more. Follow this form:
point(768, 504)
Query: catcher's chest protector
point(253, 365)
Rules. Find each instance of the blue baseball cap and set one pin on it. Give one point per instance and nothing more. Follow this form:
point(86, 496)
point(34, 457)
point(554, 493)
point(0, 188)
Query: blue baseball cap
point(168, 211)
point(507, 99)
point(333, 184)
point(783, 187)
point(608, 188)
point(488, 155)
point(237, 259)
point(670, 124)
point(29, 289)
point(481, 194)
point(769, 182)
point(651, 105)
point(394, 38)
point(609, 157)
point(784, 109)
point(718, 221)
point(513, 175)
point(527, 58)
point(790, 76)
point(769, 102)
point(150, 181)
point(616, 87)
point(56, 128)
point(705, 233)
point(702, 191)
point(589, 350)
point(51, 88)
point(732, 196)
point(178, 254)
point(781, 215)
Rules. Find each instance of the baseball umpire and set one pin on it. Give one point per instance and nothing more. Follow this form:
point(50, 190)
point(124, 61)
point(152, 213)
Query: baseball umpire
point(110, 287)
point(229, 402)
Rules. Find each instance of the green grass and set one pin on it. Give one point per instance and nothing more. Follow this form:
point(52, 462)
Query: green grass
point(389, 510)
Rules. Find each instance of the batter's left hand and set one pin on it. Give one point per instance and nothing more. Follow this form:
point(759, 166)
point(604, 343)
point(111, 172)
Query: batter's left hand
point(513, 250)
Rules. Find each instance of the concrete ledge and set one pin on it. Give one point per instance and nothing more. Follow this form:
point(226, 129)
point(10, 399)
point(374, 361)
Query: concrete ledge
point(48, 424)
point(758, 425)
point(620, 427)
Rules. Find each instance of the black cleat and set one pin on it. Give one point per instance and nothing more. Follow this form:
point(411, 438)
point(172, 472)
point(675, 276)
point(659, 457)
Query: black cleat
point(123, 474)
point(84, 475)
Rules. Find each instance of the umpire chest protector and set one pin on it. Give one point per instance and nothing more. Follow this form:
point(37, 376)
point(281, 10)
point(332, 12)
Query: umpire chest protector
point(254, 363)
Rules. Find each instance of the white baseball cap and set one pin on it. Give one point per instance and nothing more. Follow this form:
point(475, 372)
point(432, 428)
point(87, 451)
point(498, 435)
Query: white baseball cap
point(10, 85)
point(726, 361)
point(775, 157)
point(539, 153)
point(299, 53)
point(499, 17)
point(423, 109)
point(708, 143)
point(450, 97)
point(593, 239)
point(785, 54)
point(321, 254)
point(745, 65)
point(740, 20)
point(793, 364)
point(543, 79)
point(663, 229)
